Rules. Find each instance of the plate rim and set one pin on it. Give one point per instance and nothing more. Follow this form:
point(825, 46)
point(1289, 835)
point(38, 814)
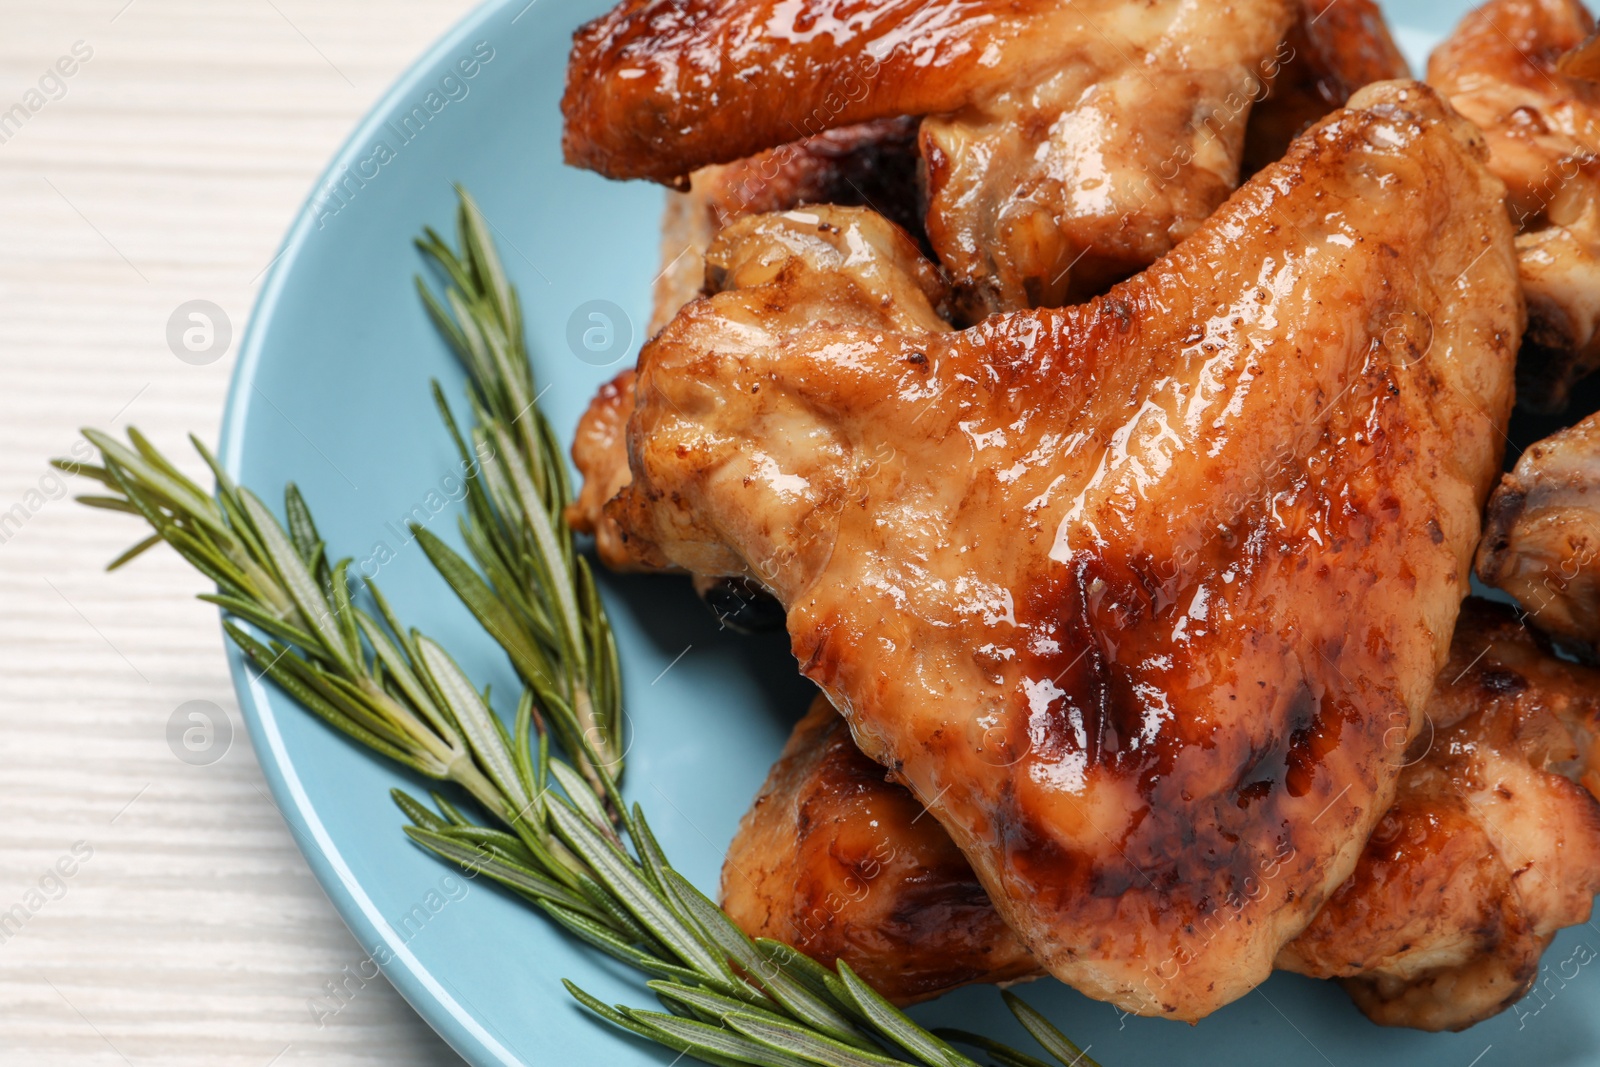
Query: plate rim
point(422, 990)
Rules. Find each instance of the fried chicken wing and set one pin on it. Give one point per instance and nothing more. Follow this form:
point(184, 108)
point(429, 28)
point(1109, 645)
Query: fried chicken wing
point(1491, 846)
point(838, 862)
point(1134, 595)
point(1066, 144)
point(1543, 540)
point(872, 165)
point(1501, 69)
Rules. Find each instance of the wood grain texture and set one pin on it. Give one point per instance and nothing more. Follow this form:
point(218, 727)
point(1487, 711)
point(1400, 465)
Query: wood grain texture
point(194, 933)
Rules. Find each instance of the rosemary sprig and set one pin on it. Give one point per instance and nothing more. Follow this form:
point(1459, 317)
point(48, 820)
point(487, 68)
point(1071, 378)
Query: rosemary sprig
point(565, 841)
point(536, 595)
point(384, 688)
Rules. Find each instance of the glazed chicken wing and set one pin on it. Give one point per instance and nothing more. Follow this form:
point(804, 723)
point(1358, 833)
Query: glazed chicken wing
point(1066, 144)
point(1491, 846)
point(838, 862)
point(1334, 47)
point(1136, 596)
point(1501, 70)
point(657, 90)
point(1543, 541)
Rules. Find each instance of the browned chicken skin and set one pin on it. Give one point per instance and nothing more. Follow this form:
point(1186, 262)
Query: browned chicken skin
point(1543, 540)
point(836, 861)
point(1500, 69)
point(1046, 190)
point(659, 89)
point(871, 165)
point(1138, 595)
point(1332, 49)
point(1067, 142)
point(811, 866)
point(599, 450)
point(1491, 846)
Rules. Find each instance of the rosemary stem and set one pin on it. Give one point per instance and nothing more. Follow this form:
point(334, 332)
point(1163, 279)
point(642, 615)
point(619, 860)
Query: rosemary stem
point(589, 727)
point(438, 747)
point(463, 771)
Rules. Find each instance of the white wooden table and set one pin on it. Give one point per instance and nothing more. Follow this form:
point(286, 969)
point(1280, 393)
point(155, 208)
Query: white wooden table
point(153, 911)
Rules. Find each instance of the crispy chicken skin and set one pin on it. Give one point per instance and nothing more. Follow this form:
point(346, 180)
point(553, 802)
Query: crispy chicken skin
point(1135, 595)
point(1491, 846)
point(835, 861)
point(1067, 143)
point(1500, 69)
point(1543, 540)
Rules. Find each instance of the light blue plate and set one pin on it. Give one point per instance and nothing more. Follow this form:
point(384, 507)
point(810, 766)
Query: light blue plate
point(332, 391)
